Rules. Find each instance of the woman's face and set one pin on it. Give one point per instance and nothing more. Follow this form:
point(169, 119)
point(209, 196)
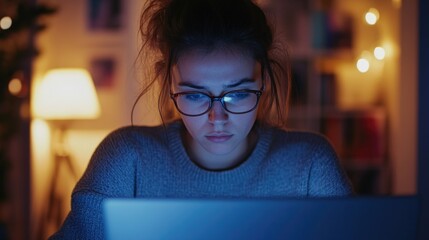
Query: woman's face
point(217, 139)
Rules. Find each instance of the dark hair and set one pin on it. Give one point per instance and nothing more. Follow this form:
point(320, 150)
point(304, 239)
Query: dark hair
point(172, 27)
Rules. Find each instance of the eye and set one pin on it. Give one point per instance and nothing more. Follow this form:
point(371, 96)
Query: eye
point(194, 97)
point(236, 96)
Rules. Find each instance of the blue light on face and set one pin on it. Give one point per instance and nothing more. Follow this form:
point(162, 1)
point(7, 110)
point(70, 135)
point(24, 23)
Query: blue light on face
point(228, 99)
point(196, 97)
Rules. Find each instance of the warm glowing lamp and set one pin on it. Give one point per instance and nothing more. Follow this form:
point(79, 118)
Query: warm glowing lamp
point(66, 94)
point(61, 96)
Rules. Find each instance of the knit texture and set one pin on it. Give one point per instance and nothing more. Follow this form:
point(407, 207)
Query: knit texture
point(151, 162)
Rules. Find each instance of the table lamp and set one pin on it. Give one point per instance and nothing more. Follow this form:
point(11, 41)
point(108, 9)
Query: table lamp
point(63, 95)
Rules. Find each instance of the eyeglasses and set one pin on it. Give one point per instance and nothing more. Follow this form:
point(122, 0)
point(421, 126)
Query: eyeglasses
point(197, 103)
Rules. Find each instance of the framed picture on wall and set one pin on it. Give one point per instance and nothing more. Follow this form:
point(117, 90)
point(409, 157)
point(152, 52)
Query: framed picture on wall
point(104, 15)
point(103, 71)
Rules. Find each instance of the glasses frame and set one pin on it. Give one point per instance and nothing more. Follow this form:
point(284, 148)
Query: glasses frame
point(220, 98)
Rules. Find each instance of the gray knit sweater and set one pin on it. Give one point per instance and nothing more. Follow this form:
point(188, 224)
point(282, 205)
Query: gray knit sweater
point(151, 162)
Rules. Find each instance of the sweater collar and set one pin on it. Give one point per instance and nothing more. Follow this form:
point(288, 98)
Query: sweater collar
point(247, 168)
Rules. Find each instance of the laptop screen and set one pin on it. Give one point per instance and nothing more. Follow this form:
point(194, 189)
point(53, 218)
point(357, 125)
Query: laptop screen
point(342, 218)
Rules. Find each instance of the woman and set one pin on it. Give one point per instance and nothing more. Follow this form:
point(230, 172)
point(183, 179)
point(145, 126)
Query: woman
point(217, 69)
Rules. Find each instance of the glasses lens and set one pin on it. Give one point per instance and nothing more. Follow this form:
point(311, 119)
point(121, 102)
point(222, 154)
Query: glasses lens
point(192, 103)
point(240, 101)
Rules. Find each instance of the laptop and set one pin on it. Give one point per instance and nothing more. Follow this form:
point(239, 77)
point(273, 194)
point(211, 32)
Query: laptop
point(340, 218)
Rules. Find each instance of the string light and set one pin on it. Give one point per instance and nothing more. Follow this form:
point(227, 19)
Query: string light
point(5, 23)
point(379, 53)
point(362, 65)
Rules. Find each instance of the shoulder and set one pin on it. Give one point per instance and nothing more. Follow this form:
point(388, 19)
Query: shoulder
point(134, 136)
point(301, 149)
point(300, 140)
point(112, 168)
point(123, 146)
point(311, 155)
point(136, 132)
point(131, 143)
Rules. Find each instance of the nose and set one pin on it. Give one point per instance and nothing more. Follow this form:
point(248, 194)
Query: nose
point(217, 114)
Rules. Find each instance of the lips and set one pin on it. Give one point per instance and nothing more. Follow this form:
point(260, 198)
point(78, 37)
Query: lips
point(219, 137)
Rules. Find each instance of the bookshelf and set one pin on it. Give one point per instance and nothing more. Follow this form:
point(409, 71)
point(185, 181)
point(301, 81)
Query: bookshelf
point(322, 38)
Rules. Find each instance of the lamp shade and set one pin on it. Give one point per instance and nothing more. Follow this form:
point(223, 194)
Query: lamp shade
point(65, 94)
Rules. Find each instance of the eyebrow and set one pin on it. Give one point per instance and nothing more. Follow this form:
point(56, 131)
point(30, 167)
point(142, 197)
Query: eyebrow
point(238, 83)
point(191, 85)
point(242, 81)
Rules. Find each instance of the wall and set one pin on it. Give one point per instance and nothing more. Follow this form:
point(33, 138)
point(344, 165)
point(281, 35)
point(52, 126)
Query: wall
point(405, 140)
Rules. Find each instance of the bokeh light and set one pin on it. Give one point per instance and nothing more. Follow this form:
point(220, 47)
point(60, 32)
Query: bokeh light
point(15, 86)
point(379, 53)
point(372, 16)
point(5, 23)
point(362, 65)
